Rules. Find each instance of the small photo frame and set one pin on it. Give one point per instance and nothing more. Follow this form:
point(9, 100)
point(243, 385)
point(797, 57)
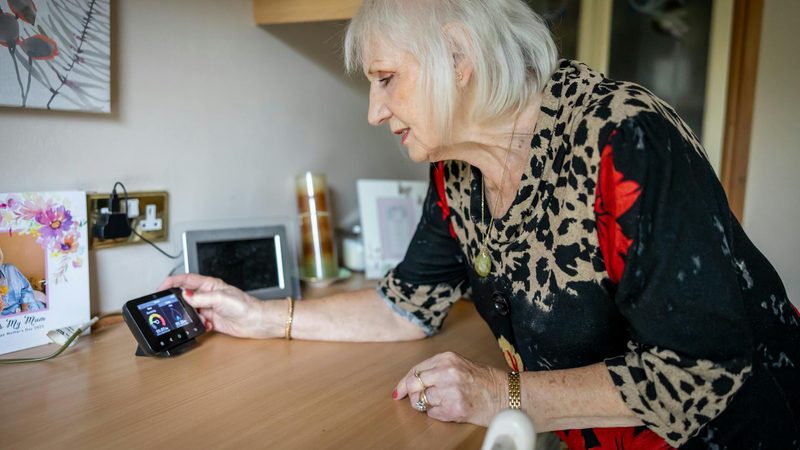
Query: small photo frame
point(44, 274)
point(390, 211)
point(258, 260)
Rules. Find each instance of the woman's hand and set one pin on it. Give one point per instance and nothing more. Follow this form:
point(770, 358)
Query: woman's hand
point(225, 308)
point(458, 389)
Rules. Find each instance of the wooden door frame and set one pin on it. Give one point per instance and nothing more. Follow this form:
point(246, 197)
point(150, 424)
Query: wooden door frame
point(743, 69)
point(728, 137)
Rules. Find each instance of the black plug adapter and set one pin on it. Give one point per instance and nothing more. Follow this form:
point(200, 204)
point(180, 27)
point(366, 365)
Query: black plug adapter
point(114, 224)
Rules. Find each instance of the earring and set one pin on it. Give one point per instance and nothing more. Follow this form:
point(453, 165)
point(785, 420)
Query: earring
point(459, 76)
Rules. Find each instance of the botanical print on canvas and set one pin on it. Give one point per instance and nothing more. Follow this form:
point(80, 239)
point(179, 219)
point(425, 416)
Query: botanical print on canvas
point(55, 54)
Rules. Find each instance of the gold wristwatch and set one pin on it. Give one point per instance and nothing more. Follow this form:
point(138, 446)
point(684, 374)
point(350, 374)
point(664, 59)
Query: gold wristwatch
point(513, 390)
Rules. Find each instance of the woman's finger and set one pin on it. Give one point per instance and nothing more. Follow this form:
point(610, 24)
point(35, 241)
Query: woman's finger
point(401, 390)
point(409, 383)
point(447, 405)
point(203, 299)
point(439, 402)
point(207, 317)
point(434, 396)
point(178, 281)
point(191, 281)
point(407, 386)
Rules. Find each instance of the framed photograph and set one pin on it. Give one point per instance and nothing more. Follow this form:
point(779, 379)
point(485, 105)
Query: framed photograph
point(44, 273)
point(257, 260)
point(390, 211)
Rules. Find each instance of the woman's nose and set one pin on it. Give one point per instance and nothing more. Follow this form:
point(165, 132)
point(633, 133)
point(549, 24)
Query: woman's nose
point(378, 112)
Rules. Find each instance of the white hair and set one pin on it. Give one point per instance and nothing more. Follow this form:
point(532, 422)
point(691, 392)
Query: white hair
point(508, 45)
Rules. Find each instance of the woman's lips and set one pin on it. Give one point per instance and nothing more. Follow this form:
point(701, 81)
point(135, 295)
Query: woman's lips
point(404, 132)
point(405, 135)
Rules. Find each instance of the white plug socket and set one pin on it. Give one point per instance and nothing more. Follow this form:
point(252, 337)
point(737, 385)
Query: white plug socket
point(133, 208)
point(150, 222)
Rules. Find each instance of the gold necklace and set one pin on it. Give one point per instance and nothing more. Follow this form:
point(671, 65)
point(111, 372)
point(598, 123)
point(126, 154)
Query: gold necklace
point(483, 261)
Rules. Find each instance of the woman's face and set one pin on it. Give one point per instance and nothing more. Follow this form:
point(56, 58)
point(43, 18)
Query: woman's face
point(393, 98)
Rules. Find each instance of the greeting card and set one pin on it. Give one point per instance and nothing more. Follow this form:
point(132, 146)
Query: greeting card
point(44, 273)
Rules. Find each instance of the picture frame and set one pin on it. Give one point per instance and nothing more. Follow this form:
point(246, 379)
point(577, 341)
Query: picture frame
point(390, 211)
point(56, 55)
point(258, 260)
point(44, 266)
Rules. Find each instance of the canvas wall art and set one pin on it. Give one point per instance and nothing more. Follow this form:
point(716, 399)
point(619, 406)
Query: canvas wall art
point(44, 274)
point(55, 54)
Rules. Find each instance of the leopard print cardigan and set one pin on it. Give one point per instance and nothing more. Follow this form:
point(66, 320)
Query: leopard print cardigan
point(619, 248)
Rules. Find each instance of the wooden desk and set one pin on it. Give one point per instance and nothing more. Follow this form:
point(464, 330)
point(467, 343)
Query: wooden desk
point(234, 393)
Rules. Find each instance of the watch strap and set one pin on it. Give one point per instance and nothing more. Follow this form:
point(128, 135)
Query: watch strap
point(514, 397)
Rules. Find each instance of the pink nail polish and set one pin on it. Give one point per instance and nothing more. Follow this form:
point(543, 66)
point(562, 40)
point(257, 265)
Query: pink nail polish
point(394, 394)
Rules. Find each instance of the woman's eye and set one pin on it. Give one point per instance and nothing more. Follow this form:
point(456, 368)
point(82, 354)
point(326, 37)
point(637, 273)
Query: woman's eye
point(385, 80)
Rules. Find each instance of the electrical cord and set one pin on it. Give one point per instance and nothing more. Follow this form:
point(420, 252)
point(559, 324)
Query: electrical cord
point(175, 269)
point(72, 338)
point(133, 229)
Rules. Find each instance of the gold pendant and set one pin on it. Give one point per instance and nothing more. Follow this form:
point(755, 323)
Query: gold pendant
point(483, 263)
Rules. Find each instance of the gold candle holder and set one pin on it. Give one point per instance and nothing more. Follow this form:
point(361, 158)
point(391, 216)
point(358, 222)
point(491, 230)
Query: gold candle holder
point(318, 257)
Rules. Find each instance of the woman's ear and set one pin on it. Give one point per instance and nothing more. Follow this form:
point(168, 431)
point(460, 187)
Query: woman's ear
point(459, 42)
point(464, 71)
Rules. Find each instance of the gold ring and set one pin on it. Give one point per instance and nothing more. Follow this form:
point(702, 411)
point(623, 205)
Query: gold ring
point(424, 398)
point(422, 404)
point(416, 374)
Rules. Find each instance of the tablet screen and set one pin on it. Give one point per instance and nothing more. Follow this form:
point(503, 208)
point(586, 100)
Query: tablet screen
point(248, 264)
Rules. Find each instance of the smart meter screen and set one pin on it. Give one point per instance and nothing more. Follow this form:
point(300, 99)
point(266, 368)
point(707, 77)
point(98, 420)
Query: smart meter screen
point(164, 314)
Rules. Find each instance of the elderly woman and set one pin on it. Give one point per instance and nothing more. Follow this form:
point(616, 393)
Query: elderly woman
point(16, 293)
point(581, 216)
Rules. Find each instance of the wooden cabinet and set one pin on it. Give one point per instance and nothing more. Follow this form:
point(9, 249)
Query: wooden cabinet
point(267, 12)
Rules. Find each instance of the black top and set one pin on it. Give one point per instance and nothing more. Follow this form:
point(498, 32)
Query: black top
point(619, 248)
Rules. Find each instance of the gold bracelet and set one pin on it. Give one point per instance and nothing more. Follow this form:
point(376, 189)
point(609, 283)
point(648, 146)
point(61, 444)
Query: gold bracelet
point(514, 401)
point(287, 334)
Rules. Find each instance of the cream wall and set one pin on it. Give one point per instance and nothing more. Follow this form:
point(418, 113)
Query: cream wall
point(219, 112)
point(772, 204)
